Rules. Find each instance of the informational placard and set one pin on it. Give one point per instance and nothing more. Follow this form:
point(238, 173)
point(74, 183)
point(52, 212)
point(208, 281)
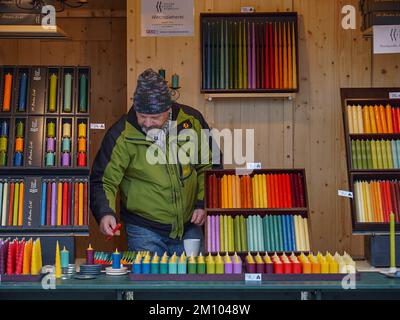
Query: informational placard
point(167, 18)
point(386, 39)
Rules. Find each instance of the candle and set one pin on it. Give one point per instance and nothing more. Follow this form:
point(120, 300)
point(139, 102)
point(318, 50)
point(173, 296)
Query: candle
point(20, 129)
point(64, 258)
point(82, 145)
point(50, 159)
point(7, 92)
point(182, 264)
point(18, 159)
point(53, 93)
point(228, 264)
point(219, 265)
point(137, 265)
point(83, 93)
point(66, 159)
point(250, 264)
point(287, 265)
point(3, 157)
point(324, 264)
point(269, 266)
point(237, 264)
point(3, 144)
point(116, 260)
point(58, 262)
point(201, 264)
point(53, 216)
point(23, 84)
point(175, 81)
point(19, 145)
point(67, 92)
point(155, 264)
point(82, 130)
point(146, 267)
point(260, 268)
point(90, 255)
point(67, 130)
point(161, 72)
point(210, 264)
point(392, 243)
point(173, 264)
point(192, 265)
point(51, 129)
point(4, 129)
point(82, 159)
point(51, 145)
point(164, 264)
point(66, 145)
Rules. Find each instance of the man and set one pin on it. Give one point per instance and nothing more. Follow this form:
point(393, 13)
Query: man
point(161, 203)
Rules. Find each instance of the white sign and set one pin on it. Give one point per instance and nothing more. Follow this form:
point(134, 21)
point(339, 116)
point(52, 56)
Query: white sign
point(394, 95)
point(346, 194)
point(253, 277)
point(167, 18)
point(253, 166)
point(386, 39)
point(97, 126)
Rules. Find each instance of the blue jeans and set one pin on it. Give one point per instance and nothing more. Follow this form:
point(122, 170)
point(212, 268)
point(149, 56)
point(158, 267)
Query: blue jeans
point(143, 239)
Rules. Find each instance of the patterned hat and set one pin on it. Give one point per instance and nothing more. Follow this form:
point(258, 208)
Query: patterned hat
point(152, 94)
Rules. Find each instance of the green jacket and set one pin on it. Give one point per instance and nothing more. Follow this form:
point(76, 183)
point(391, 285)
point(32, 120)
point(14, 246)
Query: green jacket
point(159, 196)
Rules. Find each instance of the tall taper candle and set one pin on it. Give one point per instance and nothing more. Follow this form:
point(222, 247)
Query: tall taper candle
point(392, 244)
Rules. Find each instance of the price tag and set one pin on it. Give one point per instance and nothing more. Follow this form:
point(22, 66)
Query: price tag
point(253, 277)
point(247, 9)
point(346, 194)
point(253, 166)
point(394, 95)
point(98, 126)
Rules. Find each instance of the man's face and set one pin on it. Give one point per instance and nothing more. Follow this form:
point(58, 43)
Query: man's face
point(152, 121)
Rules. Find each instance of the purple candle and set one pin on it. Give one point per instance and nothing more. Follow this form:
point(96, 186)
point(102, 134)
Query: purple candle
point(237, 264)
point(228, 265)
point(249, 68)
point(269, 268)
point(209, 227)
point(53, 204)
point(51, 144)
point(2, 265)
point(66, 159)
point(253, 64)
point(217, 244)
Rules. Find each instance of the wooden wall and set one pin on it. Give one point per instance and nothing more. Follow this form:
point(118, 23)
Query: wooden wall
point(306, 132)
point(98, 39)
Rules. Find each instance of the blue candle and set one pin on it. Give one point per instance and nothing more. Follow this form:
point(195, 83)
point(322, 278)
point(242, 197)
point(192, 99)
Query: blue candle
point(175, 81)
point(43, 211)
point(23, 84)
point(116, 260)
point(4, 129)
point(64, 258)
point(18, 159)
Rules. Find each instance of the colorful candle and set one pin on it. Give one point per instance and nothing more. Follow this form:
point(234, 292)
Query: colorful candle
point(90, 256)
point(116, 259)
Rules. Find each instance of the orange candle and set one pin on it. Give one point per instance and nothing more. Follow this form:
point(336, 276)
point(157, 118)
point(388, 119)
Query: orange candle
point(7, 92)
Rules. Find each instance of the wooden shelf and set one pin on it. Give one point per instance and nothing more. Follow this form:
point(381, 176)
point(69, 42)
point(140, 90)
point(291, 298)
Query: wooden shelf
point(211, 96)
point(367, 96)
point(379, 136)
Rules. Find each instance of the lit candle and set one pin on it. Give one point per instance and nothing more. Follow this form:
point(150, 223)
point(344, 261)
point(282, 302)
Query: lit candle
point(392, 244)
point(64, 258)
point(116, 260)
point(90, 255)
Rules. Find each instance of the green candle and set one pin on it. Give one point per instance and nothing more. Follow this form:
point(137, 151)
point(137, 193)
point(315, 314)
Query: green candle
point(53, 93)
point(20, 129)
point(192, 265)
point(210, 263)
point(201, 265)
point(83, 93)
point(67, 92)
point(392, 242)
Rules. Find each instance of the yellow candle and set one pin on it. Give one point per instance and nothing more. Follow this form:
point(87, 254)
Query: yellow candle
point(219, 265)
point(210, 264)
point(58, 262)
point(59, 203)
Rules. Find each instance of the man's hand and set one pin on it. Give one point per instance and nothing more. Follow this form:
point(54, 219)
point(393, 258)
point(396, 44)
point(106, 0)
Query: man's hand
point(107, 224)
point(199, 217)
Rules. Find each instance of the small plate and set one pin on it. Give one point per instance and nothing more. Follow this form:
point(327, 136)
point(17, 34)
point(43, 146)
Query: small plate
point(84, 277)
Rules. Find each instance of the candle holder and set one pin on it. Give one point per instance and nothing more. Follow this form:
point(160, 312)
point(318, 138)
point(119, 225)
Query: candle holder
point(175, 94)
